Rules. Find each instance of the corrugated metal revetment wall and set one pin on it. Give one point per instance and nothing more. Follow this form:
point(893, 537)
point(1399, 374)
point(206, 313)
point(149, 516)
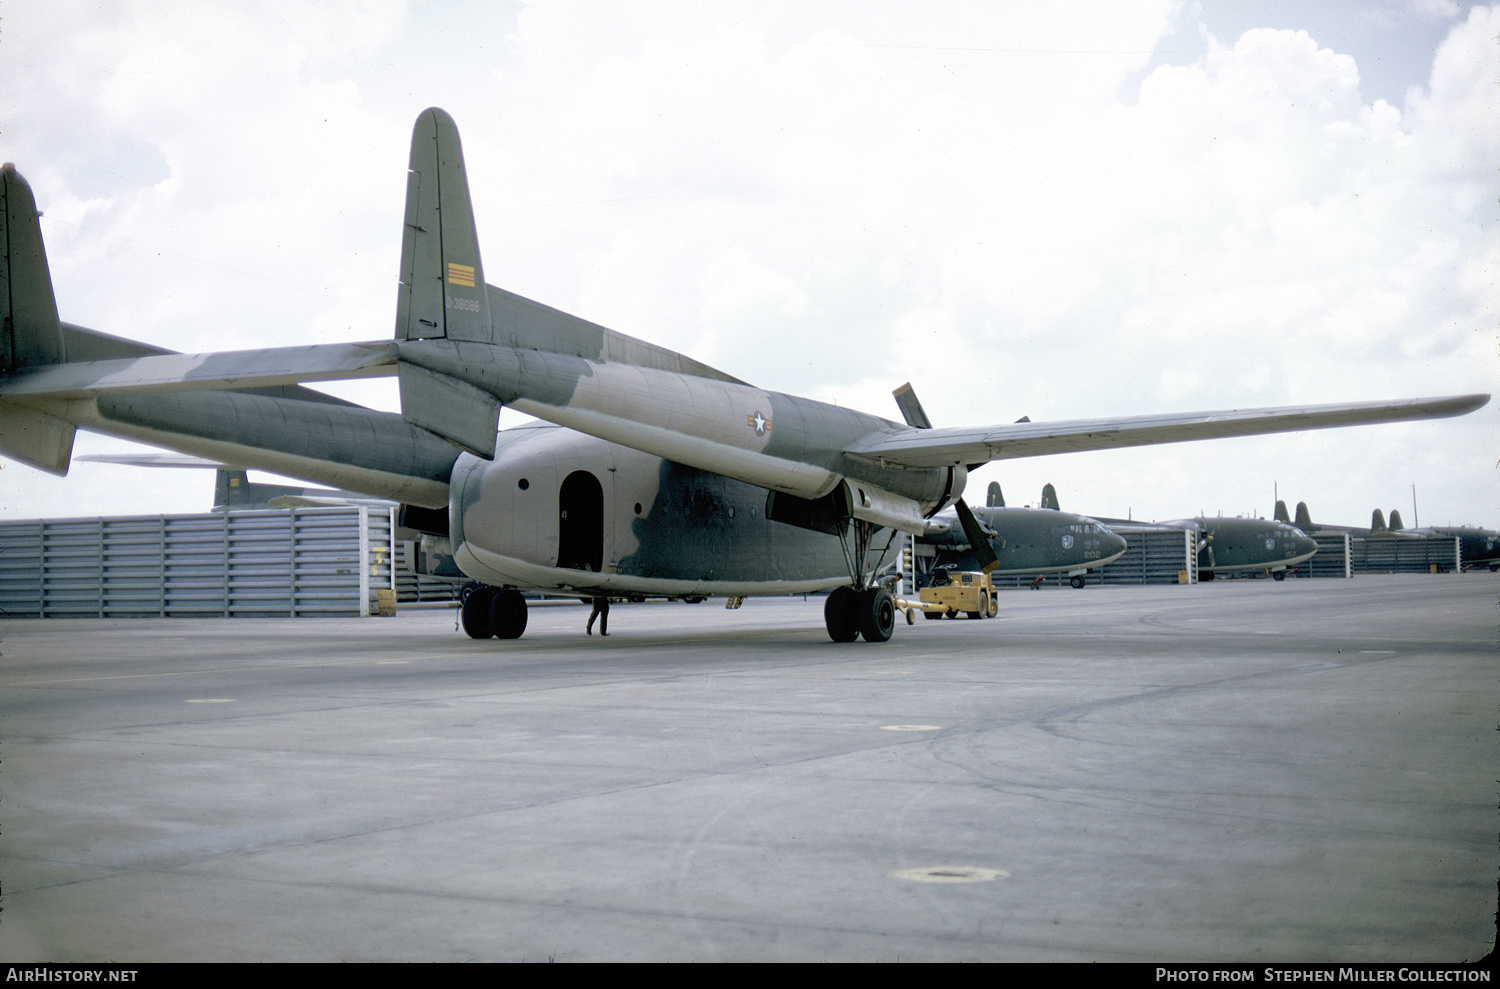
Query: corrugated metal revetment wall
point(1152, 558)
point(288, 562)
point(1332, 558)
point(1406, 554)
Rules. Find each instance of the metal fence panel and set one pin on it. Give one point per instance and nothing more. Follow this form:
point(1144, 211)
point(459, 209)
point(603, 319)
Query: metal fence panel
point(302, 561)
point(1152, 557)
point(1406, 554)
point(1331, 560)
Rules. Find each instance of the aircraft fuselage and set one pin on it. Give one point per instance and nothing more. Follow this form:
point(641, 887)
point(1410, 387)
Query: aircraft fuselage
point(561, 511)
point(1227, 544)
point(1031, 541)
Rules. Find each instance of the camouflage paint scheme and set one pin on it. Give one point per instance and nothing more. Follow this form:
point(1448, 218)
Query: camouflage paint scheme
point(707, 457)
point(1030, 541)
point(665, 529)
point(1226, 544)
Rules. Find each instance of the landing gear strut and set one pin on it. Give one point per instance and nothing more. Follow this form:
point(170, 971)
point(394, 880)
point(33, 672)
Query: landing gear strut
point(866, 608)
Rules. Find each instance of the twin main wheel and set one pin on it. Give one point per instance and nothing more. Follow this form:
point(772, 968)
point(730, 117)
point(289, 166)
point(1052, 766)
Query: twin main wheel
point(493, 611)
point(848, 614)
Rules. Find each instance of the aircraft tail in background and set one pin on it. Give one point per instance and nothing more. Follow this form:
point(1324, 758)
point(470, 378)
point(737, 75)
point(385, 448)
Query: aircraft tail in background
point(30, 335)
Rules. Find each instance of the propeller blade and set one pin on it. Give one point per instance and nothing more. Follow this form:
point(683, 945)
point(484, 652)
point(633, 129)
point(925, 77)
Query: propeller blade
point(978, 540)
point(911, 409)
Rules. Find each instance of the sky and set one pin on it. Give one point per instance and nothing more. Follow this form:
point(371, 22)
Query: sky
point(1053, 210)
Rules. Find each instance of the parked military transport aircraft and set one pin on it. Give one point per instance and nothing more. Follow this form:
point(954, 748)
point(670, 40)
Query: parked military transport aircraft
point(1025, 540)
point(1232, 544)
point(1476, 547)
point(659, 476)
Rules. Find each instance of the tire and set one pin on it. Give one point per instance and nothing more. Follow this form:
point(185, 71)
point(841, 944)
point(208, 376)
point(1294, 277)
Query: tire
point(475, 613)
point(839, 616)
point(508, 614)
point(1077, 583)
point(932, 615)
point(975, 615)
point(877, 614)
point(1279, 575)
point(994, 606)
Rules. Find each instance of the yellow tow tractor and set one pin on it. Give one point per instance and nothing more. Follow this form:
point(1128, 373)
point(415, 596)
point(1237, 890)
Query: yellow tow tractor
point(950, 593)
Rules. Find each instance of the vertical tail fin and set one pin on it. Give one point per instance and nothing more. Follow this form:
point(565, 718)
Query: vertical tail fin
point(1281, 513)
point(29, 331)
point(1304, 517)
point(1049, 498)
point(1377, 521)
point(1395, 523)
point(443, 293)
point(442, 290)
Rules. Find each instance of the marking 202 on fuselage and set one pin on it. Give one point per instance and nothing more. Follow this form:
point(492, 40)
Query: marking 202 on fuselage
point(658, 477)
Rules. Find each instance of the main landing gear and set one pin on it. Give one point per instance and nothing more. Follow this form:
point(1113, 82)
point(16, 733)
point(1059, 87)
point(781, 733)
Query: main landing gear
point(849, 613)
point(867, 608)
point(487, 612)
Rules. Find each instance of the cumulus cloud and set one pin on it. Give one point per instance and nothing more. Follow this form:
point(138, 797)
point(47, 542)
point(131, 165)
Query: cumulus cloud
point(1023, 211)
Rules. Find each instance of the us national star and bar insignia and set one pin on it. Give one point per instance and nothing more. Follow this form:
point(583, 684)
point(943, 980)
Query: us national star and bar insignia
point(759, 423)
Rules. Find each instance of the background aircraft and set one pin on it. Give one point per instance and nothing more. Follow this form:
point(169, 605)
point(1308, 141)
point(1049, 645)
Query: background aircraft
point(669, 478)
point(1232, 544)
point(1024, 540)
point(233, 488)
point(1477, 547)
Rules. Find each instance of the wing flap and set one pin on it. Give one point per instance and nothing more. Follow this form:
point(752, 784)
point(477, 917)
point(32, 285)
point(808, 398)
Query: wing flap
point(908, 447)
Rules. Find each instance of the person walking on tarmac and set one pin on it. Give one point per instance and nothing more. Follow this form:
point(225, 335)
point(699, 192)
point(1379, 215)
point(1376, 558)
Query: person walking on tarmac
point(601, 612)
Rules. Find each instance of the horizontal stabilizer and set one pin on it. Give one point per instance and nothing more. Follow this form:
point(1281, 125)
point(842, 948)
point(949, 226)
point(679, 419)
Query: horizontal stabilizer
point(174, 461)
point(228, 370)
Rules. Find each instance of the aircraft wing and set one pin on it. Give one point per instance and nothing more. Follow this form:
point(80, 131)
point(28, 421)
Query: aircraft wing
point(910, 447)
